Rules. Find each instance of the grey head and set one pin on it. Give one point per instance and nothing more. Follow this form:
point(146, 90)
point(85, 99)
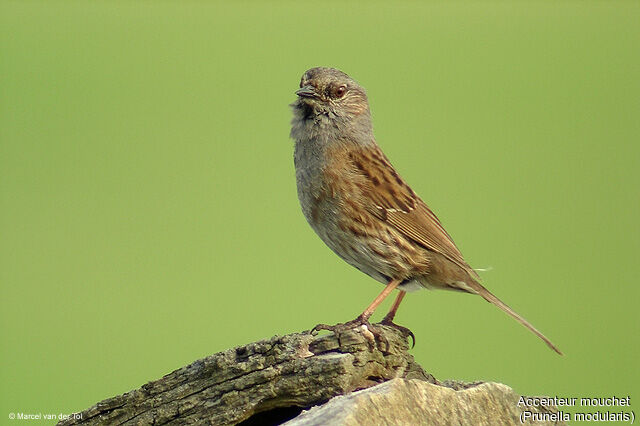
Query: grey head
point(330, 104)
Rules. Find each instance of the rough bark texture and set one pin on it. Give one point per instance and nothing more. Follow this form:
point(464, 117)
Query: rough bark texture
point(272, 381)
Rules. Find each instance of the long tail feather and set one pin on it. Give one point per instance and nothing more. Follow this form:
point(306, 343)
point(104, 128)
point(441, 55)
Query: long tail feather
point(489, 297)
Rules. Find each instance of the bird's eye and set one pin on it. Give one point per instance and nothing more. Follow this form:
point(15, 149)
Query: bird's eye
point(340, 91)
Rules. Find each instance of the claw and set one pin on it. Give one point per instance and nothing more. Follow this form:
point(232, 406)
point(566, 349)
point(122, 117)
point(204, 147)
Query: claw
point(319, 327)
point(404, 330)
point(369, 332)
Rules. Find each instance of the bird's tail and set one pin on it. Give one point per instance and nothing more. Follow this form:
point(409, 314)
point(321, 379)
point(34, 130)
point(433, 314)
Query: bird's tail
point(489, 297)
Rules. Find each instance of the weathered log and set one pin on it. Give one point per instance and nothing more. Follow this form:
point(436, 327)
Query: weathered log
point(274, 380)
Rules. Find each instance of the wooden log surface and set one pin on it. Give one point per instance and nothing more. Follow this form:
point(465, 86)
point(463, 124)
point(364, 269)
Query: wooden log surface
point(282, 374)
point(348, 378)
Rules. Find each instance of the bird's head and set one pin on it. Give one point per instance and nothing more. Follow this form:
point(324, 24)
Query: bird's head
point(330, 92)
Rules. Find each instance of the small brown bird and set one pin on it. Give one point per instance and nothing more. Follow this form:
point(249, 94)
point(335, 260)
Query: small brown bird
point(361, 208)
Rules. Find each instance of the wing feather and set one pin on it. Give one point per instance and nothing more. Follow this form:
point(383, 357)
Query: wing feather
point(394, 202)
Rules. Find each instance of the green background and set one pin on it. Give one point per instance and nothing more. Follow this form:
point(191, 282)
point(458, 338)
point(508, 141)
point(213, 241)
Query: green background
point(148, 206)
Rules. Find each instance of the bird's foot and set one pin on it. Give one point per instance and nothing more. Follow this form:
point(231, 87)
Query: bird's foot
point(404, 330)
point(344, 326)
point(368, 330)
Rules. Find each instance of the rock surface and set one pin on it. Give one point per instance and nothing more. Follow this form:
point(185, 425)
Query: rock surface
point(346, 379)
point(416, 402)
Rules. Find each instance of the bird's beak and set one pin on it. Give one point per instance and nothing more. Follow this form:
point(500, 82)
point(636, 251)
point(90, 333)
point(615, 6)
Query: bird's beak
point(307, 92)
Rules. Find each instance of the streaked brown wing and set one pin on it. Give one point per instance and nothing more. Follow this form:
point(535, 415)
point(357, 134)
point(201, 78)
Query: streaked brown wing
point(395, 202)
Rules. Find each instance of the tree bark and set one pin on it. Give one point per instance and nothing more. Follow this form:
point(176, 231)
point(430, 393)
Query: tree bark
point(272, 381)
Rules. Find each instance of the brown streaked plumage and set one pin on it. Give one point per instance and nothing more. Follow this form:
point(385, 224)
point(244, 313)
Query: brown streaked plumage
point(361, 208)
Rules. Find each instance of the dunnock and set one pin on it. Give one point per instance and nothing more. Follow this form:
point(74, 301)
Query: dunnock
point(361, 208)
